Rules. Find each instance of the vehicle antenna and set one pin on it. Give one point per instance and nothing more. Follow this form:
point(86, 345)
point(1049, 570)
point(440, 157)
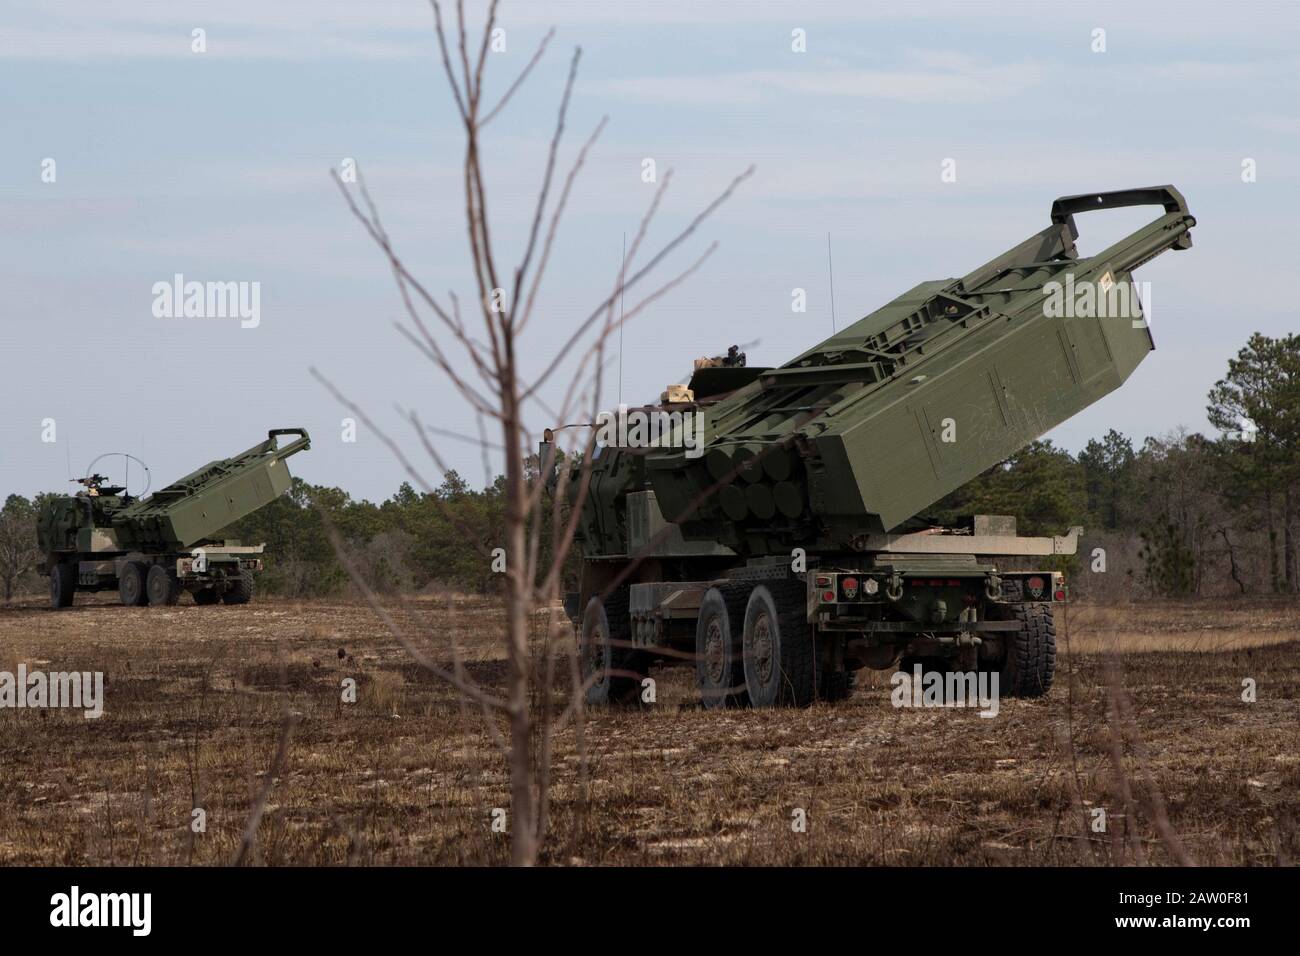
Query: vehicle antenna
point(830, 267)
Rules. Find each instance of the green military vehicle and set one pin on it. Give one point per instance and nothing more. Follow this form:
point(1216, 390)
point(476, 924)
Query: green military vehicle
point(152, 549)
point(790, 548)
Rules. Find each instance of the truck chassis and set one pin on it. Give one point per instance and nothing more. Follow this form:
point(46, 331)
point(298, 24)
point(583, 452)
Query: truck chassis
point(212, 573)
point(763, 634)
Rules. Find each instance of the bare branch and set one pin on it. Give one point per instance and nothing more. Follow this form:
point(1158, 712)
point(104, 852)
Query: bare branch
point(249, 839)
point(448, 433)
point(519, 80)
point(558, 212)
point(521, 272)
point(466, 687)
point(641, 273)
point(446, 63)
point(375, 228)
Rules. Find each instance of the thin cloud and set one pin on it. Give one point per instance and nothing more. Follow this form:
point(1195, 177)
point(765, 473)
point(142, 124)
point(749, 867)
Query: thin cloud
point(90, 42)
point(963, 83)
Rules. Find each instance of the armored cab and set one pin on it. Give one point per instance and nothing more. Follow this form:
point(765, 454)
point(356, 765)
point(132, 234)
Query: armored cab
point(154, 548)
point(832, 459)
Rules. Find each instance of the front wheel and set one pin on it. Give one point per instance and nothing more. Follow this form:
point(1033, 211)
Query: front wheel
point(611, 667)
point(63, 585)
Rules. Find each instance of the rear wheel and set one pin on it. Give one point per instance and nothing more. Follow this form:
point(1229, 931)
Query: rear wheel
point(63, 585)
point(162, 586)
point(240, 590)
point(1029, 662)
point(719, 670)
point(780, 653)
point(130, 586)
point(206, 596)
point(612, 669)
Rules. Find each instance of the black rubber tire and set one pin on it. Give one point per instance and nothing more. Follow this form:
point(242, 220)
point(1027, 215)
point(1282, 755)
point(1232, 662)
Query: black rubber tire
point(612, 669)
point(780, 651)
point(240, 590)
point(1029, 664)
point(206, 596)
point(719, 670)
point(63, 585)
point(130, 586)
point(161, 586)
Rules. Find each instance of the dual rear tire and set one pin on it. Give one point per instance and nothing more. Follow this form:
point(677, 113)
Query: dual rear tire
point(141, 584)
point(161, 586)
point(131, 584)
point(755, 646)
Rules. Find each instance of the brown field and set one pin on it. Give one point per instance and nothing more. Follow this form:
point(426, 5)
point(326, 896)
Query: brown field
point(197, 699)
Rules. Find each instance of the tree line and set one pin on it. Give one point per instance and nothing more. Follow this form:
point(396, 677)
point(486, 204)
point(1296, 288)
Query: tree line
point(1175, 515)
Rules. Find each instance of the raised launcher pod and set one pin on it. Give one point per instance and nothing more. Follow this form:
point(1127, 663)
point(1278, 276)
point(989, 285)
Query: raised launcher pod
point(866, 430)
point(213, 497)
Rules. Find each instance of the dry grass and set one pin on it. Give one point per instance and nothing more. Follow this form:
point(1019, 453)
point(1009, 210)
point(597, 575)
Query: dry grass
point(1184, 626)
point(197, 699)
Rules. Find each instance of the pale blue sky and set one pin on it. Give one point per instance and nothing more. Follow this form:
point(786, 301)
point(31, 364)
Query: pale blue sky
point(215, 165)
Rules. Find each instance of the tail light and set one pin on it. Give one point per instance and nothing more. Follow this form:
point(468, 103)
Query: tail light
point(1035, 587)
point(850, 586)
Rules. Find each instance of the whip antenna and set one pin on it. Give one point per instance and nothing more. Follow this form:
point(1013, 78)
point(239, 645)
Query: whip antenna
point(622, 277)
point(830, 267)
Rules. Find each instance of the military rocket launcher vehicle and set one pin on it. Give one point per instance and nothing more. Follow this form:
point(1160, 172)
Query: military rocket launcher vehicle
point(152, 549)
point(788, 548)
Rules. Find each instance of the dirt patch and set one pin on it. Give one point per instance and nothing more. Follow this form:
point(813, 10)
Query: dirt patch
point(197, 700)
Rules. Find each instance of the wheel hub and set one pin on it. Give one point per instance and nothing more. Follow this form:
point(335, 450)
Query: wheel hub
point(596, 655)
point(762, 648)
point(714, 652)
